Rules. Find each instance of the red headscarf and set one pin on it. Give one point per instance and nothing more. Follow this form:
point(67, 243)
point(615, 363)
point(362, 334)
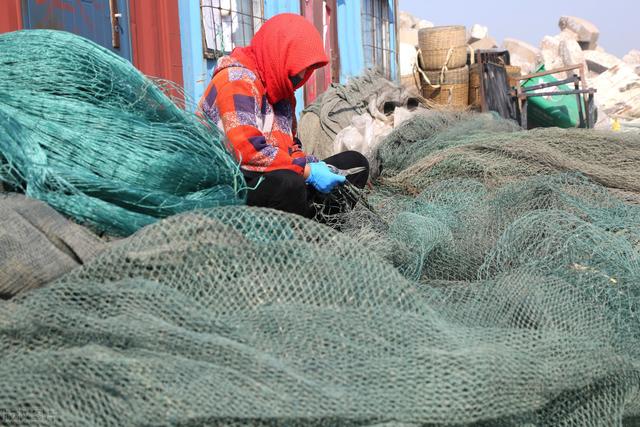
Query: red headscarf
point(284, 46)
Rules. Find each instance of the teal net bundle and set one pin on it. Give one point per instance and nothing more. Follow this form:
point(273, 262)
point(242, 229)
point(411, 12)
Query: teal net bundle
point(82, 130)
point(499, 285)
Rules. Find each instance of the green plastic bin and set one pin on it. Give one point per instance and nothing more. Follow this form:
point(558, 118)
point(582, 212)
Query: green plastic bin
point(552, 111)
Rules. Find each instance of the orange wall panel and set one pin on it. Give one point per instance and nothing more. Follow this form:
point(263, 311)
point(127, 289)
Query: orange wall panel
point(155, 38)
point(10, 16)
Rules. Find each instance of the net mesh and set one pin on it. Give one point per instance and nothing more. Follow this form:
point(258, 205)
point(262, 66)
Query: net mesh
point(38, 245)
point(253, 317)
point(85, 132)
point(492, 278)
point(485, 147)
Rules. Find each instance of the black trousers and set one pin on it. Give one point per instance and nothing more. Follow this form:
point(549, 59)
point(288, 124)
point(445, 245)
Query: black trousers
point(287, 191)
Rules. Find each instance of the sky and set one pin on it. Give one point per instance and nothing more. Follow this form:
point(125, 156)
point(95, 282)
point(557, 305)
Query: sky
point(618, 20)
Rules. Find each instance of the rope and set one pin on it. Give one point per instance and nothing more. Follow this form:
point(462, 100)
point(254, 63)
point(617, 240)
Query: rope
point(445, 68)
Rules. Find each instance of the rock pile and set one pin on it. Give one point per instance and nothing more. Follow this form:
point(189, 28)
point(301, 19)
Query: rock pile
point(617, 80)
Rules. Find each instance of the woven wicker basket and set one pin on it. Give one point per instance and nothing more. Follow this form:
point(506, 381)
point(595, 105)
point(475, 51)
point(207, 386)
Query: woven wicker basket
point(442, 38)
point(457, 76)
point(436, 59)
point(452, 90)
point(514, 74)
point(443, 47)
point(474, 85)
point(451, 95)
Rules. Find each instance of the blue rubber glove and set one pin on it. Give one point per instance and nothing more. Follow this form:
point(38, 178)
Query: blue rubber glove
point(322, 178)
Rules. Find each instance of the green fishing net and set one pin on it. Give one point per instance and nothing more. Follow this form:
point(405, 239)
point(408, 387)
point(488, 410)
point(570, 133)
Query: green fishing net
point(490, 278)
point(241, 316)
point(84, 131)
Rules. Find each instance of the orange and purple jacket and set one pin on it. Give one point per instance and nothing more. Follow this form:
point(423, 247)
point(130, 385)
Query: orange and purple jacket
point(262, 135)
point(251, 96)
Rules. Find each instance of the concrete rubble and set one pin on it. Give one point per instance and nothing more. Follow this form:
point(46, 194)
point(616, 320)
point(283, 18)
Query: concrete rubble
point(485, 43)
point(477, 33)
point(586, 32)
point(408, 27)
point(599, 62)
point(571, 53)
point(522, 54)
point(616, 79)
point(633, 57)
point(619, 92)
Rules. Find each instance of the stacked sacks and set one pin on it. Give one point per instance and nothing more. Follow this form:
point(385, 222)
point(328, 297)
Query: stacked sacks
point(82, 130)
point(370, 96)
point(38, 245)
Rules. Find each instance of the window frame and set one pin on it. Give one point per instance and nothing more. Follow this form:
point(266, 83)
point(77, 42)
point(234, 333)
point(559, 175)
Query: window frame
point(234, 9)
point(376, 34)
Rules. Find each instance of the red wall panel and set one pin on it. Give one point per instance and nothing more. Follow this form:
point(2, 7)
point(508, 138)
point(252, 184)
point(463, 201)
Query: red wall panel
point(10, 16)
point(155, 38)
point(322, 14)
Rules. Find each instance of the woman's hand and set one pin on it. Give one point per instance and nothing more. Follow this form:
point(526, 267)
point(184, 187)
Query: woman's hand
point(322, 178)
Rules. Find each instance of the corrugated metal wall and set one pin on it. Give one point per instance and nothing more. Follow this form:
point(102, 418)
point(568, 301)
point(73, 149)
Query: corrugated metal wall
point(194, 65)
point(393, 12)
point(90, 19)
point(274, 7)
point(11, 16)
point(350, 39)
point(155, 38)
point(352, 58)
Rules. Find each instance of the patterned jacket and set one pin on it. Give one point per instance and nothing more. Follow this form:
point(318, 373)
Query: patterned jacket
point(262, 135)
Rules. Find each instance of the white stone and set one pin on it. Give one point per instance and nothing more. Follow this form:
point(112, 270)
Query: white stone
point(604, 121)
point(550, 43)
point(599, 62)
point(633, 57)
point(551, 59)
point(405, 20)
point(408, 36)
point(550, 53)
point(526, 66)
point(586, 31)
point(566, 35)
point(407, 58)
point(592, 75)
point(571, 53)
point(618, 92)
point(523, 50)
point(423, 23)
point(478, 32)
point(485, 43)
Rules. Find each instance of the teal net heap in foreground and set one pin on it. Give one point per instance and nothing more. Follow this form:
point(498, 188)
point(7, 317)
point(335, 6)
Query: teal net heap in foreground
point(84, 131)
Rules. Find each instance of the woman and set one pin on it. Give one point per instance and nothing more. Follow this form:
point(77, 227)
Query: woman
point(251, 98)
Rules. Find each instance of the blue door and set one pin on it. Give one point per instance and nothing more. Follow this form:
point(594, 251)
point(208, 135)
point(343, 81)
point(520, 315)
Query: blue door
point(106, 22)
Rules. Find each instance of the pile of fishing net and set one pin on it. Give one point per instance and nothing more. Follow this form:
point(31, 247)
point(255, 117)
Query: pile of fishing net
point(501, 295)
point(371, 97)
point(82, 130)
point(443, 145)
point(38, 245)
